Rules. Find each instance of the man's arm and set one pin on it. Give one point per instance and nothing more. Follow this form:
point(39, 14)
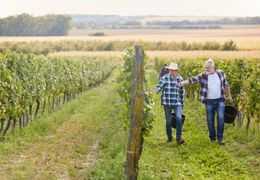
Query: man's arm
point(182, 94)
point(228, 93)
point(161, 85)
point(192, 80)
point(225, 80)
point(227, 87)
point(181, 91)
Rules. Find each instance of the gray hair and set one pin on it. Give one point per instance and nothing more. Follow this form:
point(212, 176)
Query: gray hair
point(209, 63)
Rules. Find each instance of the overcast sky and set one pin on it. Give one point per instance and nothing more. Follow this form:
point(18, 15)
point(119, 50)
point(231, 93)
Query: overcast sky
point(133, 7)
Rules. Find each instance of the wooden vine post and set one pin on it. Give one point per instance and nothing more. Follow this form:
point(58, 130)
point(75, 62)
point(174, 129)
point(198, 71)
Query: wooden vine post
point(135, 140)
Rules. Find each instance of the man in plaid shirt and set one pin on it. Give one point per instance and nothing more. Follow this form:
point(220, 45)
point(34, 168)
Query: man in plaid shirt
point(172, 99)
point(212, 93)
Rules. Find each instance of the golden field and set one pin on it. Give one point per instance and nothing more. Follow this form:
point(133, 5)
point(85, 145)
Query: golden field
point(169, 54)
point(246, 37)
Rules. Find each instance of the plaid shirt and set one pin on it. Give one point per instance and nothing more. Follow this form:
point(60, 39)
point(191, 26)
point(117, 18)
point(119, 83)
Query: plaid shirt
point(172, 92)
point(203, 80)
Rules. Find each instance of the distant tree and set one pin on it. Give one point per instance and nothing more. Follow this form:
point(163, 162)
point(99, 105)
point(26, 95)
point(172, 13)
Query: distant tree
point(229, 46)
point(26, 25)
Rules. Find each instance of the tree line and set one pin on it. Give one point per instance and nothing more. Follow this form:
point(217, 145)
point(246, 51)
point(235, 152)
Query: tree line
point(223, 21)
point(27, 25)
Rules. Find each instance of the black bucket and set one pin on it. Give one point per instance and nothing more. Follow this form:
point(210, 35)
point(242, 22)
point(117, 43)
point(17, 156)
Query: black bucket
point(174, 120)
point(230, 114)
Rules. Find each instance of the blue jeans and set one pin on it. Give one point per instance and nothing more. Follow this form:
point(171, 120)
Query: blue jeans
point(168, 116)
point(218, 106)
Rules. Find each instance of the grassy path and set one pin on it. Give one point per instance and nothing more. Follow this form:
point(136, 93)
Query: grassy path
point(86, 139)
point(65, 144)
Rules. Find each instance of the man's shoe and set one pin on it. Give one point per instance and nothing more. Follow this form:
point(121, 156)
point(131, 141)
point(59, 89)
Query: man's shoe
point(212, 140)
point(169, 140)
point(180, 141)
point(221, 143)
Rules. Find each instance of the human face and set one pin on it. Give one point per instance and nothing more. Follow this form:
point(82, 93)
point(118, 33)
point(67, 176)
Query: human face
point(210, 69)
point(173, 72)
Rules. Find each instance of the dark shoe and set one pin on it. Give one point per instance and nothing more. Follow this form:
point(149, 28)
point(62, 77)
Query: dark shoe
point(169, 140)
point(213, 140)
point(180, 141)
point(221, 143)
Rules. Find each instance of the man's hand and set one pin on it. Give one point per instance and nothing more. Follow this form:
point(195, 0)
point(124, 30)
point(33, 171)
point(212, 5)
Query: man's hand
point(185, 82)
point(229, 97)
point(228, 94)
point(155, 90)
